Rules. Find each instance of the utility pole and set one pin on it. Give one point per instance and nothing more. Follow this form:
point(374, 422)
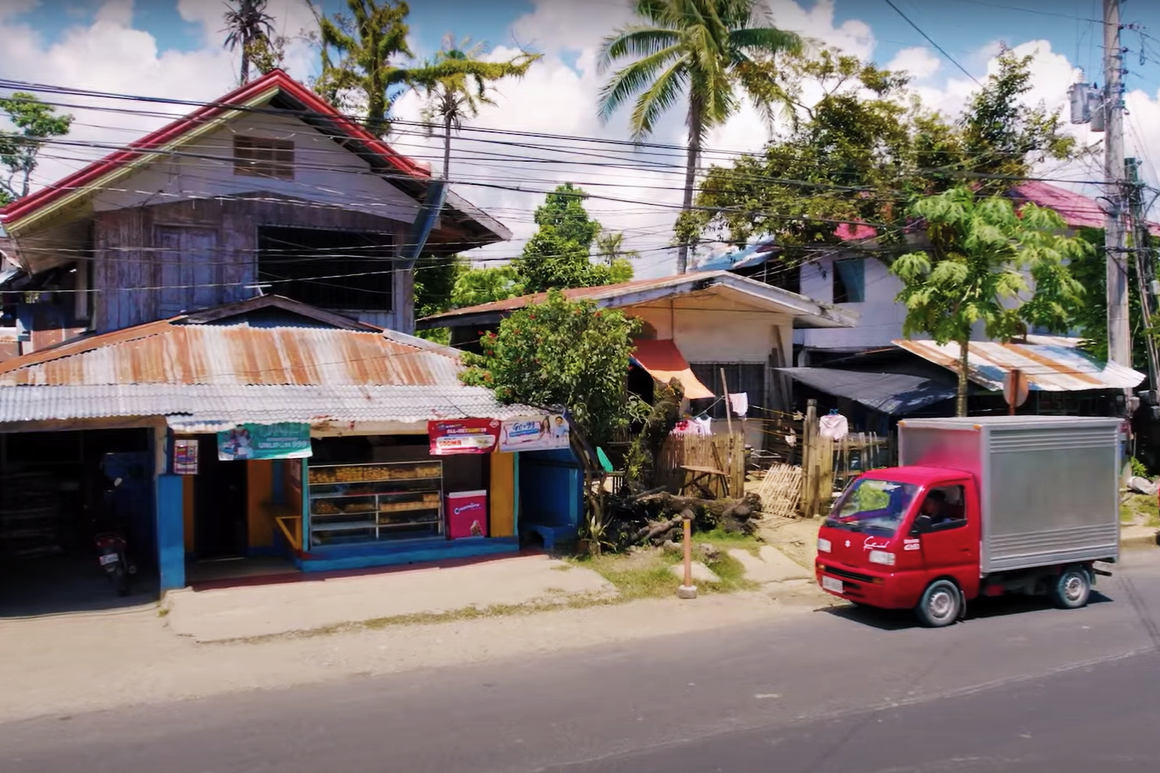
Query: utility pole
point(1119, 330)
point(1145, 267)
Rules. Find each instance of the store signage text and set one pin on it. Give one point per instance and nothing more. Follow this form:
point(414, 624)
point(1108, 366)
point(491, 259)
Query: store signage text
point(534, 433)
point(264, 441)
point(463, 436)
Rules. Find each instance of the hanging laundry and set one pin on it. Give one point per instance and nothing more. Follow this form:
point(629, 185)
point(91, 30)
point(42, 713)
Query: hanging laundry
point(739, 403)
point(704, 425)
point(833, 426)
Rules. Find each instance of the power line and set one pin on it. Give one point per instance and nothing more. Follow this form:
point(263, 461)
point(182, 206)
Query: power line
point(930, 40)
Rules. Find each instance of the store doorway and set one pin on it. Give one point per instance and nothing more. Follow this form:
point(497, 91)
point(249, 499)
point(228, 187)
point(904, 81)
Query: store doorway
point(220, 504)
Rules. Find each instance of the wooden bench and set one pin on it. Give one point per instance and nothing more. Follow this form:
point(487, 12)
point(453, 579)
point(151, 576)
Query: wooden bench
point(697, 477)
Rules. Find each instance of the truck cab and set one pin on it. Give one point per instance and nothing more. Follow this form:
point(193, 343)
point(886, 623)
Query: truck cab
point(895, 531)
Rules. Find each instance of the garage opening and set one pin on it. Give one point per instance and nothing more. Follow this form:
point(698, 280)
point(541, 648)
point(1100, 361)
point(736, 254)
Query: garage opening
point(57, 490)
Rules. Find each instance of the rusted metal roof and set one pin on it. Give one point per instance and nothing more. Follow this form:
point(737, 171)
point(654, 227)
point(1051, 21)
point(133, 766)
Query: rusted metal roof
point(210, 407)
point(243, 368)
point(807, 311)
point(1049, 368)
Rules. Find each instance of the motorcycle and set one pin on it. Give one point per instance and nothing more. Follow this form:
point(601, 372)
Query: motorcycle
point(113, 552)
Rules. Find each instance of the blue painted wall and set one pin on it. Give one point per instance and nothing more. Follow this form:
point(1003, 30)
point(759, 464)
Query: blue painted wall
point(551, 485)
point(170, 532)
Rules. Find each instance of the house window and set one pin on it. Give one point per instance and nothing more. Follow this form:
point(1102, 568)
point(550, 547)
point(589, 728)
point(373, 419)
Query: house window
point(261, 157)
point(335, 270)
point(747, 377)
point(850, 280)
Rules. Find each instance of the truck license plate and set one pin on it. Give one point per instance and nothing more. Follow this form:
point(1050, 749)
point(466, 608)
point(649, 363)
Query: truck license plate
point(111, 558)
point(832, 585)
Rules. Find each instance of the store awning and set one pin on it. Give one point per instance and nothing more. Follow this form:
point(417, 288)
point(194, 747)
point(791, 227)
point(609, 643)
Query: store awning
point(896, 394)
point(664, 362)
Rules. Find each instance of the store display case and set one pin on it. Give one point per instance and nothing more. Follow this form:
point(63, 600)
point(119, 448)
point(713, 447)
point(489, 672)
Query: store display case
point(361, 503)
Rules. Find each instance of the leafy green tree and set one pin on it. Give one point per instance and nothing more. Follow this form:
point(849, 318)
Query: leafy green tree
point(486, 285)
point(856, 154)
point(435, 280)
point(34, 123)
point(453, 97)
point(559, 254)
point(867, 147)
point(1090, 319)
point(1003, 136)
point(251, 28)
point(561, 352)
point(976, 270)
point(704, 51)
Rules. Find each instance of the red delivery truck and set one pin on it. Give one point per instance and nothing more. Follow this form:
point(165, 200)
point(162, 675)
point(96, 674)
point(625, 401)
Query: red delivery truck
point(978, 507)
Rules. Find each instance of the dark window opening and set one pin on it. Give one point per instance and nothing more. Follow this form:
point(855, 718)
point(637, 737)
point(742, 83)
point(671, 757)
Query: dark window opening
point(337, 270)
point(260, 157)
point(849, 280)
point(747, 377)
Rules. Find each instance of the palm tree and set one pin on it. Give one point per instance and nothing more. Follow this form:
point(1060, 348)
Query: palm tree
point(248, 26)
point(705, 49)
point(459, 93)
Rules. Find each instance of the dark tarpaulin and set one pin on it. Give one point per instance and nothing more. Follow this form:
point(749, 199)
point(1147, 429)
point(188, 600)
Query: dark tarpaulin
point(896, 394)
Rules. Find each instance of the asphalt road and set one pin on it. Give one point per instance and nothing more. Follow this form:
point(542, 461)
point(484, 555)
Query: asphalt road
point(1017, 687)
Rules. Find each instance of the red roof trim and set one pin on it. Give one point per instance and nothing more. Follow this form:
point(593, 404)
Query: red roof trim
point(311, 102)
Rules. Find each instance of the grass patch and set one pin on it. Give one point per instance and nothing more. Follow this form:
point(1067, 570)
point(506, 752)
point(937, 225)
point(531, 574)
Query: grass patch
point(649, 574)
point(1140, 508)
point(728, 540)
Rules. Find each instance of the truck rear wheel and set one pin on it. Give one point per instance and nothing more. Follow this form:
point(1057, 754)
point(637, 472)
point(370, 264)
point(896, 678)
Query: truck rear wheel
point(940, 605)
point(1072, 589)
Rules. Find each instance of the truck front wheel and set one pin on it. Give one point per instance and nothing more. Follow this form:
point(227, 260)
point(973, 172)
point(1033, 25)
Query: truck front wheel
point(1072, 589)
point(940, 605)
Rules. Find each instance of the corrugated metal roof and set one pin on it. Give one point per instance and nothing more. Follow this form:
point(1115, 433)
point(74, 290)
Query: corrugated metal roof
point(892, 393)
point(626, 294)
point(166, 353)
point(1048, 368)
point(202, 406)
point(231, 367)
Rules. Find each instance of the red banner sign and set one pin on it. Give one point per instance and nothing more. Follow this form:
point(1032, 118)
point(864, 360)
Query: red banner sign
point(463, 436)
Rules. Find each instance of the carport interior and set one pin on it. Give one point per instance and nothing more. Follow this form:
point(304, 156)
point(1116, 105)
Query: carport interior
point(56, 490)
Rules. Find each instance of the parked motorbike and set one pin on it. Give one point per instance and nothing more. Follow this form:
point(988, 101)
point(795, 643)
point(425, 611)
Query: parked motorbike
point(113, 550)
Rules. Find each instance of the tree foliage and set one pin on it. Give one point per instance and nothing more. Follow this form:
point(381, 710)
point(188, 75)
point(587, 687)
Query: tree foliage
point(559, 254)
point(486, 285)
point(453, 97)
point(987, 264)
point(250, 27)
point(561, 352)
point(1090, 318)
point(866, 148)
point(33, 123)
point(699, 52)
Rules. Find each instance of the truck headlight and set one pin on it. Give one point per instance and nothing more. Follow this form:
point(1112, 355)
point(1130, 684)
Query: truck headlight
point(824, 545)
point(881, 557)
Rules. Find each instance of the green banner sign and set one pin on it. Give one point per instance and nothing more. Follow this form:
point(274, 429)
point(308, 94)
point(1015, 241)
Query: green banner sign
point(264, 441)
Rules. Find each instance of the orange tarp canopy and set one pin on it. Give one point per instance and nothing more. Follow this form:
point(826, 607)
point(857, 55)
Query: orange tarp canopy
point(664, 362)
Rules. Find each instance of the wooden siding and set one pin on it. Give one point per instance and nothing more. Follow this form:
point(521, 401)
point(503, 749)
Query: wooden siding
point(155, 261)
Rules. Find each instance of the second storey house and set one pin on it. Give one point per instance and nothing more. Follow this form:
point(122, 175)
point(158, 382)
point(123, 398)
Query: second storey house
point(267, 190)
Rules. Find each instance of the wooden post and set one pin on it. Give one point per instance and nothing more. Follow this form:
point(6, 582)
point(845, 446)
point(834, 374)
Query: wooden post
point(809, 460)
point(728, 423)
point(688, 590)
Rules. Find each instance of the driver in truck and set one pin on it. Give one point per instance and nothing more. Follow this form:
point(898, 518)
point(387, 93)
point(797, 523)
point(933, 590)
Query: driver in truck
point(935, 505)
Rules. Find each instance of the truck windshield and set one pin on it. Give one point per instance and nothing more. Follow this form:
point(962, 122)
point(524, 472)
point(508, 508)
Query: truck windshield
point(876, 506)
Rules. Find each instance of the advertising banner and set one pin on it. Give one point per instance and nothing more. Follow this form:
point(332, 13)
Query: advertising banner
point(534, 433)
point(264, 441)
point(463, 436)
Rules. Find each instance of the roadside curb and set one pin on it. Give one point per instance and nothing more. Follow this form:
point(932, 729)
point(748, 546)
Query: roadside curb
point(1141, 541)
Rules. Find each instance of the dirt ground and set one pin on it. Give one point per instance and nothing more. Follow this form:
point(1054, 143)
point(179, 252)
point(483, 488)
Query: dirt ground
point(796, 537)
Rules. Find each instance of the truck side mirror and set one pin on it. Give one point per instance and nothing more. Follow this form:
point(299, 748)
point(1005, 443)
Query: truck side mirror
point(922, 525)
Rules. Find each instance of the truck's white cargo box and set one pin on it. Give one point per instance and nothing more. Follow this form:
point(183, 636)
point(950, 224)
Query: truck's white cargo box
point(1049, 485)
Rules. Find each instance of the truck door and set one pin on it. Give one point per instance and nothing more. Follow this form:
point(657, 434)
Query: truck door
point(951, 547)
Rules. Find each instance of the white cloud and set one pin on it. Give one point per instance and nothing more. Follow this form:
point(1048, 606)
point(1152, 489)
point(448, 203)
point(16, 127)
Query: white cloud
point(920, 62)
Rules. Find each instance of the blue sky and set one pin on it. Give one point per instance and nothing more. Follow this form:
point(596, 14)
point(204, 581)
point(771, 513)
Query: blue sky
point(960, 27)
